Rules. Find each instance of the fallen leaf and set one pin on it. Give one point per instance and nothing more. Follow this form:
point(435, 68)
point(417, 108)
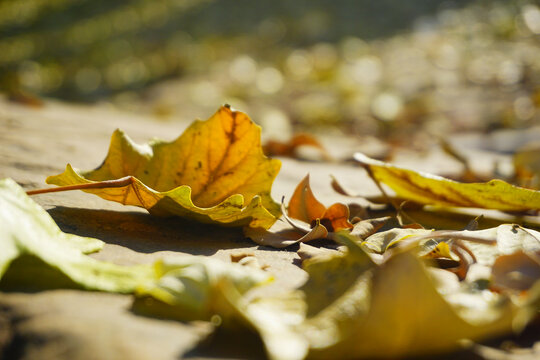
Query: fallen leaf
point(305, 207)
point(290, 148)
point(366, 228)
point(431, 189)
point(484, 247)
point(438, 250)
point(35, 253)
point(517, 271)
point(190, 287)
point(517, 353)
point(285, 238)
point(215, 172)
point(308, 252)
point(208, 289)
point(336, 217)
point(396, 310)
point(276, 320)
point(381, 241)
point(331, 275)
point(307, 215)
point(280, 235)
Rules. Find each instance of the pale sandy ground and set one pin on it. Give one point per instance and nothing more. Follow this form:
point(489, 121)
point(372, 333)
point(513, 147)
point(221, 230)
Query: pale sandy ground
point(69, 324)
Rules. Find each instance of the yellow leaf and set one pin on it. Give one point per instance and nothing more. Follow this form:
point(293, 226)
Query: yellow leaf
point(441, 250)
point(395, 310)
point(431, 189)
point(215, 172)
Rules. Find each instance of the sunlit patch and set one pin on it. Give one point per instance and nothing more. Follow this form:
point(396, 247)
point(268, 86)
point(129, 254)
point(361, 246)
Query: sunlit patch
point(269, 80)
point(299, 64)
point(243, 69)
point(387, 106)
point(531, 15)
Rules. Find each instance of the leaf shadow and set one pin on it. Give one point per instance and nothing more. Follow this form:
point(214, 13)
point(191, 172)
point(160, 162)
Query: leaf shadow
point(144, 233)
point(223, 344)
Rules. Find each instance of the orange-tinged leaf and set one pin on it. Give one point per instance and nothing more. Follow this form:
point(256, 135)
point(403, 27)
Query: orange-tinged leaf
point(215, 172)
point(431, 189)
point(304, 205)
point(337, 215)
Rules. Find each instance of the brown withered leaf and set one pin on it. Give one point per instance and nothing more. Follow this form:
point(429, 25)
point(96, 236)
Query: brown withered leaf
point(290, 148)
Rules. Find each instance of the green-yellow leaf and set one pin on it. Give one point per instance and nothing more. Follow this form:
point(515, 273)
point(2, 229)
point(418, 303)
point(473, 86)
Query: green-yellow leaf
point(35, 253)
point(215, 172)
point(435, 190)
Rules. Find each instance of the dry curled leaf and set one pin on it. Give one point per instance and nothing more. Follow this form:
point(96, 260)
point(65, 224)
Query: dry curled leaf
point(431, 189)
point(215, 172)
point(305, 207)
point(307, 215)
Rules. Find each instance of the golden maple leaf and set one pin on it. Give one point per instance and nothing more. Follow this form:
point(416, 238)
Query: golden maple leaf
point(215, 172)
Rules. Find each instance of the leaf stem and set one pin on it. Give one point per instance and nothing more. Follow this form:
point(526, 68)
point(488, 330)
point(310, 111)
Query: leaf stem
point(125, 181)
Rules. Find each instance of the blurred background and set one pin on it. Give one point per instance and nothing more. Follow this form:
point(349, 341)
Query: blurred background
point(385, 68)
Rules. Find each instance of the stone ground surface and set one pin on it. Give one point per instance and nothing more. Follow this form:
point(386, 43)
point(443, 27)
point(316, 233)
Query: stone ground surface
point(69, 324)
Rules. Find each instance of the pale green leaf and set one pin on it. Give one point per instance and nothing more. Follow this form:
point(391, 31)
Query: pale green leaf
point(200, 288)
point(35, 253)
